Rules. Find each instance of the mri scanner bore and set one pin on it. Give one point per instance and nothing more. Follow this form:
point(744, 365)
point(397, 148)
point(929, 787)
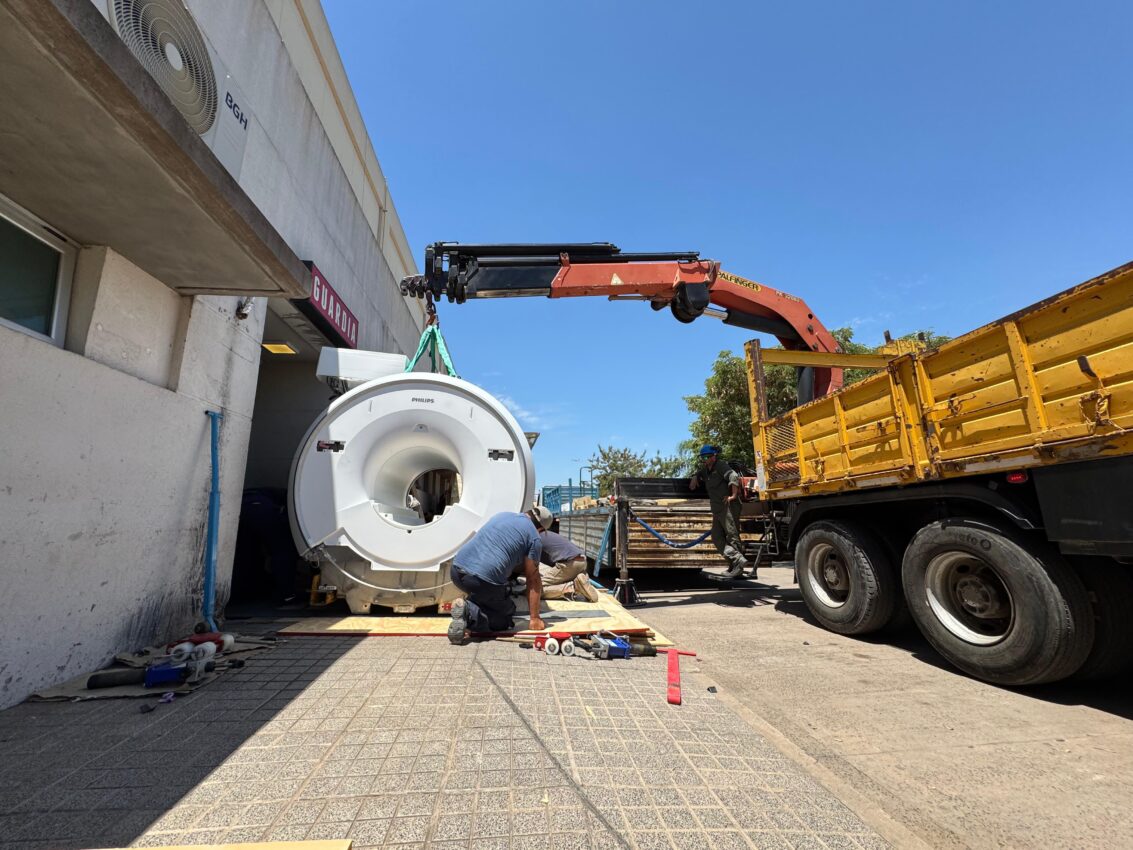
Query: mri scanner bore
point(396, 475)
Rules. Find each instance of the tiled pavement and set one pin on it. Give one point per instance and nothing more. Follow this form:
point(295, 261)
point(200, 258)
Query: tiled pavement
point(404, 743)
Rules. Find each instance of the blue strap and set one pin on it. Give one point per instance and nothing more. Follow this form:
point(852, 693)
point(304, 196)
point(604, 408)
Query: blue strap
point(602, 547)
point(668, 542)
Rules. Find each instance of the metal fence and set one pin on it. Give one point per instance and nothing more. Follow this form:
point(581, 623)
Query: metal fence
point(559, 497)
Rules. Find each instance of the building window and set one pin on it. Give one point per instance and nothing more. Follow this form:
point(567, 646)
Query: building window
point(36, 264)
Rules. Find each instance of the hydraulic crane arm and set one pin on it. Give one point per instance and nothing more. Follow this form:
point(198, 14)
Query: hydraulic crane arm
point(688, 285)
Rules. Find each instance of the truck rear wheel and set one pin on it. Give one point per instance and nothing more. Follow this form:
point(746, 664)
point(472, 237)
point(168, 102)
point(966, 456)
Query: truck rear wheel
point(1111, 591)
point(846, 577)
point(1000, 608)
point(894, 542)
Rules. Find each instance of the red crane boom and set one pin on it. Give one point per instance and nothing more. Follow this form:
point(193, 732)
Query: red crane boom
point(688, 285)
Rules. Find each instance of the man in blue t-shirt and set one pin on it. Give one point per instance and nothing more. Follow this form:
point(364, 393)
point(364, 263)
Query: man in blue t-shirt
point(507, 544)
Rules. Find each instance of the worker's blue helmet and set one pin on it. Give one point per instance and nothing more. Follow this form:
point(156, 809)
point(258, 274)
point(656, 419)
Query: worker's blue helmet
point(707, 450)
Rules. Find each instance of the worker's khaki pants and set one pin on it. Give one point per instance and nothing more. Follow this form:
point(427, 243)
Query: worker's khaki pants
point(558, 580)
point(726, 533)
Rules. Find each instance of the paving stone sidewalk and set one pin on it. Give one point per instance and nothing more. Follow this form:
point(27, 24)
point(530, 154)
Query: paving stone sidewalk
point(401, 742)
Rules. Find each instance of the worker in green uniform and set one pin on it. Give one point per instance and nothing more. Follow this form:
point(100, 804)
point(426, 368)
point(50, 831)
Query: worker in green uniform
point(723, 486)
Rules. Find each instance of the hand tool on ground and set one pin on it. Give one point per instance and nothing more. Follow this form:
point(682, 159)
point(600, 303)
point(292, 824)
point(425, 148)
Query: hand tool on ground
point(150, 677)
point(674, 694)
point(642, 650)
point(115, 678)
point(167, 671)
point(603, 645)
point(166, 674)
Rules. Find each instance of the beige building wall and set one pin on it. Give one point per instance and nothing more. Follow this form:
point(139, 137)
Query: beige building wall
point(309, 163)
point(105, 469)
point(104, 449)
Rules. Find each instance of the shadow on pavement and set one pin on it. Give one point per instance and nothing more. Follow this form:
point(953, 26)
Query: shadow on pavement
point(99, 773)
point(704, 589)
point(1112, 696)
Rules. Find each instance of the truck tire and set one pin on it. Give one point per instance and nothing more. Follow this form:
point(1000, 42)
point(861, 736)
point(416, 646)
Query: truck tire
point(1110, 585)
point(1001, 608)
point(901, 620)
point(846, 577)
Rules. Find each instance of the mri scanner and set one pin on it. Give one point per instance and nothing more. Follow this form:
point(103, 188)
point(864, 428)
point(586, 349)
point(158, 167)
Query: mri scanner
point(397, 474)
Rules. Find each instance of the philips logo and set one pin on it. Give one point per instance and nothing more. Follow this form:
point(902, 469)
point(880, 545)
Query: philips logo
point(424, 400)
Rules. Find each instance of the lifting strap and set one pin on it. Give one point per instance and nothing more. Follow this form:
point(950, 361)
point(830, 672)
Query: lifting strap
point(686, 545)
point(434, 343)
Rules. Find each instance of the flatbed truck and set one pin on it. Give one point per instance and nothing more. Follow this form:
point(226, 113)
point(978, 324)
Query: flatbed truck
point(984, 489)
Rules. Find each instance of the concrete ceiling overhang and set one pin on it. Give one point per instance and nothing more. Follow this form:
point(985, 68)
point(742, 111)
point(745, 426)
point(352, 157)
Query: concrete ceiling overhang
point(91, 144)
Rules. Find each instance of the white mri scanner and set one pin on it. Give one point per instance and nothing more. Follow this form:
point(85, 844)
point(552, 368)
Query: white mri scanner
point(397, 474)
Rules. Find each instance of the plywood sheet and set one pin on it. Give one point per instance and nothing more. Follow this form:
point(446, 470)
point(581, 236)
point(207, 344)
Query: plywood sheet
point(560, 615)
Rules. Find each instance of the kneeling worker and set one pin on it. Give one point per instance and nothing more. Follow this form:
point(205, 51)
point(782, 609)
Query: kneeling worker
point(507, 544)
point(563, 570)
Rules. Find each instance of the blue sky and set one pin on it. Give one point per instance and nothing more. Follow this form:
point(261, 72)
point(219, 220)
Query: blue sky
point(898, 165)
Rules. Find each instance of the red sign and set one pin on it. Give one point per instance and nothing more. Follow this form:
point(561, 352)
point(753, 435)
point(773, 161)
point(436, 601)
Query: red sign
point(329, 305)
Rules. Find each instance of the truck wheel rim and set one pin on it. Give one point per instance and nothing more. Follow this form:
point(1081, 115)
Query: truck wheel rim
point(969, 598)
point(828, 576)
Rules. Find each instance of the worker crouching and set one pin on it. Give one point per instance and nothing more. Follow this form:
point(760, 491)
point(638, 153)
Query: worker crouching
point(508, 544)
point(722, 484)
point(563, 570)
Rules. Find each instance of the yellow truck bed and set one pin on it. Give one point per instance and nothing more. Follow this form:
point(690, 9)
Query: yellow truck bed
point(1050, 384)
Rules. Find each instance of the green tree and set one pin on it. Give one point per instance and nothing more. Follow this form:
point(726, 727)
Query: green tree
point(610, 462)
point(722, 414)
point(845, 337)
point(670, 466)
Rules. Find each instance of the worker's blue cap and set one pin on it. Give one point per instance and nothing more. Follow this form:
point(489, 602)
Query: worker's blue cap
point(707, 450)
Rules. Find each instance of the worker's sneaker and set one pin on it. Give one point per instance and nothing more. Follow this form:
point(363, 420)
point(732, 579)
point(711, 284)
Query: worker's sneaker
point(458, 628)
point(583, 588)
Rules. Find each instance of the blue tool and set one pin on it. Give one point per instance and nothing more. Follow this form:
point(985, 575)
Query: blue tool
point(603, 645)
point(163, 674)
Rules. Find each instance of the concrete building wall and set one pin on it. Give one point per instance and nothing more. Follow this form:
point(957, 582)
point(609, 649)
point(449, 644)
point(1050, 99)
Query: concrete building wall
point(309, 164)
point(104, 450)
point(126, 319)
point(104, 476)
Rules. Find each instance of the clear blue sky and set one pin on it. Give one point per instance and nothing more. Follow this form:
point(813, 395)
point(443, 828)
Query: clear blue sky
point(898, 165)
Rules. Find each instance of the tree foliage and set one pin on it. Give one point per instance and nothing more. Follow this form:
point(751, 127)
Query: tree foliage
point(722, 414)
point(610, 462)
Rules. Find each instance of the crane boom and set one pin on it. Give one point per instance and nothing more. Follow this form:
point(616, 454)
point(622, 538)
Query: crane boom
point(688, 285)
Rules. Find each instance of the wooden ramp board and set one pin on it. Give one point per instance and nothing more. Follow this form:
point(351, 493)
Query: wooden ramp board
point(560, 615)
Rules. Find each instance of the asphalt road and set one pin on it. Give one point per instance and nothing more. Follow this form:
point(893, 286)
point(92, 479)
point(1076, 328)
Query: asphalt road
point(920, 751)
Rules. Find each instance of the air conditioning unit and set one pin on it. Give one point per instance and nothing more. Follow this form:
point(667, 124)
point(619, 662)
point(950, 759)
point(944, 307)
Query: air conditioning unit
point(165, 38)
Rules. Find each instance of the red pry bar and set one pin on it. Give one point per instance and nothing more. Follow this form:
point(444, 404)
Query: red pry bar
point(674, 695)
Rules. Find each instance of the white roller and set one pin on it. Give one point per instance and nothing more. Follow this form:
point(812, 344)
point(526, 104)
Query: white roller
point(350, 482)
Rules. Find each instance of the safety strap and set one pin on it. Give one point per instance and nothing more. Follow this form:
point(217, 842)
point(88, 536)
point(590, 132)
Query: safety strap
point(665, 540)
point(434, 343)
point(603, 546)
